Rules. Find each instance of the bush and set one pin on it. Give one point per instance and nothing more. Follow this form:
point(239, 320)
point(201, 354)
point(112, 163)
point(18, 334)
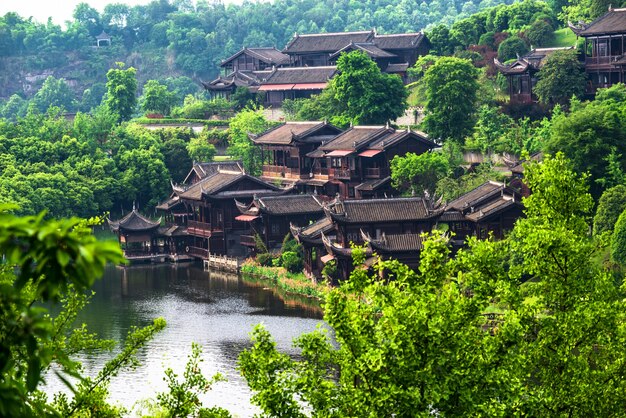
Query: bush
point(264, 259)
point(292, 261)
point(540, 33)
point(612, 203)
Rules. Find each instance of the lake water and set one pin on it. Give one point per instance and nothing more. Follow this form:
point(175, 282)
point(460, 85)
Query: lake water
point(216, 310)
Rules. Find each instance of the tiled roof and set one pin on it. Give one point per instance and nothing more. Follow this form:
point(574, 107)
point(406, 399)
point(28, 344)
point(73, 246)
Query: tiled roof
point(380, 210)
point(370, 185)
point(356, 137)
point(397, 68)
point(325, 42)
point(203, 170)
point(398, 136)
point(134, 221)
point(614, 21)
point(268, 55)
point(284, 134)
point(313, 231)
point(285, 205)
point(451, 216)
point(295, 75)
point(398, 243)
point(369, 48)
point(474, 197)
point(211, 184)
point(399, 40)
point(492, 208)
point(169, 203)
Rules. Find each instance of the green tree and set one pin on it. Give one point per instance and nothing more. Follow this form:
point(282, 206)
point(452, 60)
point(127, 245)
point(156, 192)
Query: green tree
point(157, 98)
point(610, 206)
point(451, 87)
point(540, 33)
point(369, 96)
point(200, 150)
point(121, 91)
point(248, 121)
point(54, 92)
point(561, 77)
point(618, 241)
point(419, 174)
point(511, 47)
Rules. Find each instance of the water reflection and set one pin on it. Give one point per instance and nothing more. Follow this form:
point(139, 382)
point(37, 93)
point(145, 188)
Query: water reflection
point(217, 311)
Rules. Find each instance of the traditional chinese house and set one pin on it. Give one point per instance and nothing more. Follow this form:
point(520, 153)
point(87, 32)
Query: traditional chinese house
point(138, 235)
point(295, 83)
point(356, 163)
point(270, 217)
point(359, 222)
point(604, 50)
point(207, 208)
point(521, 74)
point(490, 209)
point(405, 248)
point(310, 237)
point(246, 68)
point(284, 150)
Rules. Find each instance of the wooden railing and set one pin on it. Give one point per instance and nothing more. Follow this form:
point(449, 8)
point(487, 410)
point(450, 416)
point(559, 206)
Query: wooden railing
point(198, 228)
point(340, 173)
point(198, 252)
point(375, 172)
point(280, 171)
point(601, 60)
point(221, 262)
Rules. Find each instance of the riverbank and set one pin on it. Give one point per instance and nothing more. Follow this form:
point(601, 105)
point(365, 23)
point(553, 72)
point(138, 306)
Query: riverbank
point(291, 283)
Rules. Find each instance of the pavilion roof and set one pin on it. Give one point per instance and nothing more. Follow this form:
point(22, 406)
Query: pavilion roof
point(371, 49)
point(267, 55)
point(399, 40)
point(395, 243)
point(135, 222)
point(288, 205)
point(474, 197)
point(373, 137)
point(295, 75)
point(287, 132)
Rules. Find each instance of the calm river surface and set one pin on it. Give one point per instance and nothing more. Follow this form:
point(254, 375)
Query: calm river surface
point(215, 310)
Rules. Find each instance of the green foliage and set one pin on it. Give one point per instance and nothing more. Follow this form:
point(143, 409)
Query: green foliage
point(54, 92)
point(194, 108)
point(200, 150)
point(588, 136)
point(183, 398)
point(242, 97)
point(369, 96)
point(451, 87)
point(419, 174)
point(121, 91)
point(292, 261)
point(610, 206)
point(540, 33)
point(157, 98)
point(618, 241)
point(512, 47)
point(561, 77)
point(450, 188)
point(264, 259)
point(248, 121)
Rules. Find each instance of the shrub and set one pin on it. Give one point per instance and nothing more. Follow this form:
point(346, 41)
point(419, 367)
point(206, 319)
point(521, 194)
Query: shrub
point(540, 33)
point(511, 47)
point(264, 259)
point(612, 203)
point(618, 241)
point(292, 261)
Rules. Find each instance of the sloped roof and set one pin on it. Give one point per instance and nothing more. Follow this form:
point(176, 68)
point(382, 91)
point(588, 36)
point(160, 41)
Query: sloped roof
point(369, 48)
point(295, 75)
point(211, 184)
point(614, 21)
point(314, 231)
point(325, 42)
point(373, 137)
point(202, 170)
point(399, 40)
point(492, 208)
point(397, 68)
point(135, 222)
point(370, 185)
point(267, 55)
point(532, 60)
point(380, 210)
point(286, 205)
point(477, 195)
point(397, 243)
point(288, 131)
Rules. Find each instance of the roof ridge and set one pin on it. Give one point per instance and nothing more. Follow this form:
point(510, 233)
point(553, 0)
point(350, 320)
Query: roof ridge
point(380, 35)
point(334, 33)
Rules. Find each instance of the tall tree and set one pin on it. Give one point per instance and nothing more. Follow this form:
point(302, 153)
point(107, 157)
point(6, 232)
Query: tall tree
point(157, 98)
point(121, 96)
point(54, 92)
point(561, 77)
point(246, 122)
point(369, 96)
point(451, 88)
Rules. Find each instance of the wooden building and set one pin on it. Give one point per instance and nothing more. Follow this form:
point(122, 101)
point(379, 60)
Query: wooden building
point(138, 235)
point(356, 163)
point(254, 59)
point(521, 74)
point(284, 150)
point(491, 209)
point(207, 207)
point(604, 49)
point(295, 83)
point(271, 217)
point(310, 237)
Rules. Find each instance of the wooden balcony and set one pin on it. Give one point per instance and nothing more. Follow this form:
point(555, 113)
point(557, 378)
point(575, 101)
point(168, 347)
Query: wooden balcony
point(599, 63)
point(248, 240)
point(375, 172)
point(200, 229)
point(280, 171)
point(340, 173)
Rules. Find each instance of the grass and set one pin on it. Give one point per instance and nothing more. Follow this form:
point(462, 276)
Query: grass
point(296, 283)
point(222, 158)
point(562, 37)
